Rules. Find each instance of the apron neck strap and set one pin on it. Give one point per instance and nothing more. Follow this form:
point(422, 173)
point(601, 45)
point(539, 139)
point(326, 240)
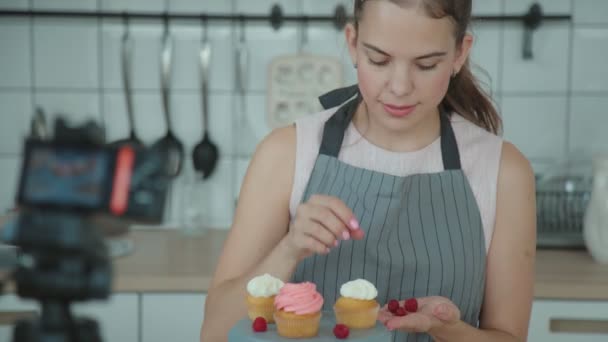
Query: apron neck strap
point(336, 125)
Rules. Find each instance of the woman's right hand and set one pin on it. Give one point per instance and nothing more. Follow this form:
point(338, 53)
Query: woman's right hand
point(319, 225)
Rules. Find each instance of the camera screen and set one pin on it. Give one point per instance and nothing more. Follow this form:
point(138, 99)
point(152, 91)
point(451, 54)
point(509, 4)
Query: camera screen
point(65, 176)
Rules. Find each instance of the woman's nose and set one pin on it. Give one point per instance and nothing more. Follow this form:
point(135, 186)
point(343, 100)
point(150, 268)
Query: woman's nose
point(400, 82)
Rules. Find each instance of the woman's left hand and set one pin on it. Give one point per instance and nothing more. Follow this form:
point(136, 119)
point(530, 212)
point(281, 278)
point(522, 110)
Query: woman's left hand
point(433, 313)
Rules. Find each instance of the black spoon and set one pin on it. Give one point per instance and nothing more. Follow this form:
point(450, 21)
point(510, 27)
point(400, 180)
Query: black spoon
point(169, 143)
point(205, 153)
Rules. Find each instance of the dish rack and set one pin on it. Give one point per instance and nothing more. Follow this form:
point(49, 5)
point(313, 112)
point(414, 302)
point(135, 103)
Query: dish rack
point(560, 211)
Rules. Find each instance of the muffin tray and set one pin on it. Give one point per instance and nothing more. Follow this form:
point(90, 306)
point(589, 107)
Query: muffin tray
point(242, 332)
point(295, 83)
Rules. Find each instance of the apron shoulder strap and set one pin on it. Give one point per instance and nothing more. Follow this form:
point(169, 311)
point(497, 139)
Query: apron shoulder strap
point(449, 146)
point(335, 126)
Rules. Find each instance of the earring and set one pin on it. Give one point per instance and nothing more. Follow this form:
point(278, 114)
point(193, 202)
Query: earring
point(355, 65)
point(454, 73)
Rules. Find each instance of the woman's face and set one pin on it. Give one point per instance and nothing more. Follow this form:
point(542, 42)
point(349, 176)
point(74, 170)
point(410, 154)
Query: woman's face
point(404, 62)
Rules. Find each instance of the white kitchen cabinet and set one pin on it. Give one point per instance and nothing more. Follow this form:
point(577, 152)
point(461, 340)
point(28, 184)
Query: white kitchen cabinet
point(567, 321)
point(12, 306)
point(172, 317)
point(117, 317)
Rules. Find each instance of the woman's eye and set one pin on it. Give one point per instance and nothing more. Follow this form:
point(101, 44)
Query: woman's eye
point(427, 67)
point(378, 63)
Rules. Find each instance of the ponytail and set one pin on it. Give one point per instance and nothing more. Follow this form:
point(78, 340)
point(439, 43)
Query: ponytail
point(466, 97)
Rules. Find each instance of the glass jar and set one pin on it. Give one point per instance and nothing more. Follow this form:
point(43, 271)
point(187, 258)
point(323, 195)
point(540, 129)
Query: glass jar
point(596, 217)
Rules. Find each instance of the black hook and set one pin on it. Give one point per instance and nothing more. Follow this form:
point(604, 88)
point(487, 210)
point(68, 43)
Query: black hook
point(125, 19)
point(204, 26)
point(166, 21)
point(340, 17)
point(532, 21)
point(276, 17)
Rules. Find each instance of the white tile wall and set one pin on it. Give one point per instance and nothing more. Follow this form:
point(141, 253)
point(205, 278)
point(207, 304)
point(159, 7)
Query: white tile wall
point(149, 122)
point(547, 71)
point(327, 41)
point(187, 66)
point(134, 5)
point(326, 7)
point(551, 105)
point(487, 7)
point(66, 54)
point(289, 7)
point(72, 5)
point(76, 107)
point(209, 6)
point(540, 117)
point(15, 62)
point(588, 123)
point(14, 4)
point(485, 55)
point(188, 120)
point(16, 109)
point(146, 38)
point(590, 11)
point(548, 6)
point(590, 51)
point(265, 44)
point(9, 169)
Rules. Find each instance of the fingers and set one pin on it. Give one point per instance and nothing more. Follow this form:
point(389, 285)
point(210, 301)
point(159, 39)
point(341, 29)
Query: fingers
point(314, 245)
point(338, 207)
point(328, 220)
point(446, 313)
point(321, 223)
point(321, 233)
point(414, 322)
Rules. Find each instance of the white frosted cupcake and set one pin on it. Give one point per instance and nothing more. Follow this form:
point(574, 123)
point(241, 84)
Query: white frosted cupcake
point(260, 299)
point(357, 307)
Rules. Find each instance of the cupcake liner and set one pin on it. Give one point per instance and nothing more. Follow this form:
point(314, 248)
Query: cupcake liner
point(261, 308)
point(297, 327)
point(363, 318)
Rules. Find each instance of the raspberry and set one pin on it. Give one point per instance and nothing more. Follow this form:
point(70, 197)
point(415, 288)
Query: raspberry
point(341, 331)
point(400, 312)
point(260, 325)
point(393, 305)
point(411, 305)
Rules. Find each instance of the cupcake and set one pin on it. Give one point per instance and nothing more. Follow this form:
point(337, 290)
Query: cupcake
point(261, 292)
point(357, 307)
point(298, 310)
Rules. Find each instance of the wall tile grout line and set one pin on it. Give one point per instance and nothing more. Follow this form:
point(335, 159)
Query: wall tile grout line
point(569, 76)
point(100, 78)
point(32, 61)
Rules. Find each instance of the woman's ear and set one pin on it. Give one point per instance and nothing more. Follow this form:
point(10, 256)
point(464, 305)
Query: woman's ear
point(350, 33)
point(463, 52)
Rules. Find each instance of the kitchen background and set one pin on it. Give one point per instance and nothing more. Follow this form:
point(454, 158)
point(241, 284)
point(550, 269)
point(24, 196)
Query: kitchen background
point(553, 105)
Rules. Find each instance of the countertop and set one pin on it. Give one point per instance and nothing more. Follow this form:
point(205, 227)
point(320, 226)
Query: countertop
point(167, 261)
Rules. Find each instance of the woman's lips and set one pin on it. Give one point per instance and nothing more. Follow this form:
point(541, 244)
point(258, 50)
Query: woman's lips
point(399, 111)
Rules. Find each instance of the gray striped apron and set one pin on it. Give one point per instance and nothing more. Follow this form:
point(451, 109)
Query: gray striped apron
point(423, 233)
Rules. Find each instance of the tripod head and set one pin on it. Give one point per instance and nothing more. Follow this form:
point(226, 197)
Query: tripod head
point(64, 185)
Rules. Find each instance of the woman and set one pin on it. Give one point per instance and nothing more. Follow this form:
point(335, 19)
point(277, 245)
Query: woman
point(401, 181)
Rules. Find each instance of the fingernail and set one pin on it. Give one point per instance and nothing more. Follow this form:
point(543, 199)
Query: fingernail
point(336, 243)
point(354, 224)
point(345, 235)
point(326, 250)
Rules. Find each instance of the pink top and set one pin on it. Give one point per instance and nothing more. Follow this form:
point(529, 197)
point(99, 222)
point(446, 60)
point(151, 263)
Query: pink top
point(480, 153)
point(301, 299)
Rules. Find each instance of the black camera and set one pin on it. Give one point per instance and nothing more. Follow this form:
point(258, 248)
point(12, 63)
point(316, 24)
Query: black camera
point(67, 186)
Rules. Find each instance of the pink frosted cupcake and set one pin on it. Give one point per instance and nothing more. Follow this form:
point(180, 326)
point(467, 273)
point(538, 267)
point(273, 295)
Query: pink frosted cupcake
point(298, 310)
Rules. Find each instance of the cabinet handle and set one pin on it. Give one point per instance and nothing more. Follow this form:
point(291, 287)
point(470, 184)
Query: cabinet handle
point(10, 317)
point(587, 326)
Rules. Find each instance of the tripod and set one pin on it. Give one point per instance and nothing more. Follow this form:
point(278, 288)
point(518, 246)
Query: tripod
point(57, 323)
point(67, 262)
